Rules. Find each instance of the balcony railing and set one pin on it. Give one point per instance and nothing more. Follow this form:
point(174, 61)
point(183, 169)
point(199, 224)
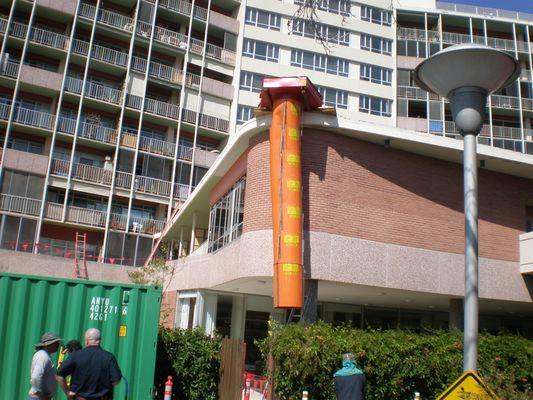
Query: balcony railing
point(139, 225)
point(134, 101)
point(98, 133)
point(179, 40)
point(165, 72)
point(184, 8)
point(100, 53)
point(18, 30)
point(144, 29)
point(123, 179)
point(490, 12)
point(207, 121)
point(85, 216)
point(411, 92)
point(185, 152)
point(5, 109)
point(93, 90)
point(161, 108)
point(128, 140)
point(525, 75)
point(181, 191)
point(146, 184)
point(82, 172)
point(19, 205)
point(527, 104)
point(506, 132)
point(417, 34)
point(505, 101)
point(53, 211)
point(107, 17)
point(3, 25)
point(39, 119)
point(10, 69)
point(49, 38)
point(157, 146)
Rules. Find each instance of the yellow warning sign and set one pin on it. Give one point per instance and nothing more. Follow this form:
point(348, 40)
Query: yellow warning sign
point(293, 159)
point(294, 109)
point(469, 386)
point(293, 185)
point(294, 212)
point(294, 134)
point(122, 330)
point(290, 269)
point(291, 240)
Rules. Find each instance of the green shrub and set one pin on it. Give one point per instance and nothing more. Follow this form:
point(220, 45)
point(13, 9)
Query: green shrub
point(396, 363)
point(193, 360)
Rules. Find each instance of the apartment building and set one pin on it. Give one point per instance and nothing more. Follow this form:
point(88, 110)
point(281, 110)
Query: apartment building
point(110, 114)
point(382, 195)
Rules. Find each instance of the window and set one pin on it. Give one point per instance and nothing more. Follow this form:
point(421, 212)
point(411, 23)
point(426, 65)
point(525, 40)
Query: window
point(25, 145)
point(376, 15)
point(226, 217)
point(375, 106)
point(320, 62)
point(244, 113)
point(376, 44)
point(251, 82)
point(263, 19)
point(411, 48)
point(260, 50)
point(22, 184)
point(341, 7)
point(376, 74)
point(330, 33)
point(334, 97)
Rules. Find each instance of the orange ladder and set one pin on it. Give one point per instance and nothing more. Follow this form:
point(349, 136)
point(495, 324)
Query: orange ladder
point(80, 263)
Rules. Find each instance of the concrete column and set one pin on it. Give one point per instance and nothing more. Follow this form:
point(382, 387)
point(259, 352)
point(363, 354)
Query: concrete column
point(238, 316)
point(210, 312)
point(456, 314)
point(310, 301)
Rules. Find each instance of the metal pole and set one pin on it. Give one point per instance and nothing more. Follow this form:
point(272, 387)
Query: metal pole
point(471, 253)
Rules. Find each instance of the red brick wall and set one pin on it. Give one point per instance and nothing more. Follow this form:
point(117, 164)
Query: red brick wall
point(359, 189)
point(69, 234)
point(167, 316)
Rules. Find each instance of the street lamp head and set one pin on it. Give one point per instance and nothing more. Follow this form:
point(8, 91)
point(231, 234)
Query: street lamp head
point(466, 74)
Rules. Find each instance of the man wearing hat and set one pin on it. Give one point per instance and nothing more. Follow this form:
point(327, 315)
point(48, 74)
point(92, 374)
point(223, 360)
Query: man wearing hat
point(43, 372)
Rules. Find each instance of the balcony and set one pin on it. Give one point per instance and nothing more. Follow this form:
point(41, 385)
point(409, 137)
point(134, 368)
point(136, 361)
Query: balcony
point(76, 215)
point(128, 140)
point(49, 38)
point(417, 34)
point(205, 158)
point(5, 109)
point(3, 25)
point(505, 102)
point(143, 184)
point(139, 225)
point(100, 53)
point(411, 92)
point(157, 146)
point(161, 108)
point(184, 8)
point(18, 30)
point(38, 119)
point(526, 253)
point(527, 104)
point(181, 191)
point(82, 172)
point(179, 40)
point(165, 72)
point(107, 17)
point(206, 121)
point(19, 205)
point(10, 69)
point(507, 132)
point(525, 75)
point(93, 90)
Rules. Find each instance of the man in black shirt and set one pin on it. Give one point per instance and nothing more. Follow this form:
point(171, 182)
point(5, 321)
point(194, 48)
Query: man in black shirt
point(349, 380)
point(94, 371)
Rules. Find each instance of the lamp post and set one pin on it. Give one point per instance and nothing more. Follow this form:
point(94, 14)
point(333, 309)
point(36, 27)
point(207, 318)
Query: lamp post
point(466, 74)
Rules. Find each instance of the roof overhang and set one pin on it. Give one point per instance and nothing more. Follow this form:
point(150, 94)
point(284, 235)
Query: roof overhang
point(448, 149)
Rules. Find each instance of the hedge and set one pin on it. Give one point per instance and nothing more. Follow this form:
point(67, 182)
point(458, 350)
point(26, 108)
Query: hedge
point(396, 363)
point(193, 360)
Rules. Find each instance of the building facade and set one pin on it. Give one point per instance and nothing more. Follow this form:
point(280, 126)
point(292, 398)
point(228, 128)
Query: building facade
point(110, 114)
point(382, 179)
point(118, 115)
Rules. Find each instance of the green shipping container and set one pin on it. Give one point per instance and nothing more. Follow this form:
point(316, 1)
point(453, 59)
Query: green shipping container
point(127, 316)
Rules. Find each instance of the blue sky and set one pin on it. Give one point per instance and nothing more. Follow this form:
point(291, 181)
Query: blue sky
point(517, 5)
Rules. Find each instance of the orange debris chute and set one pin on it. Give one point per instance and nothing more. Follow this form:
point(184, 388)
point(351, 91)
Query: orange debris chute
point(287, 98)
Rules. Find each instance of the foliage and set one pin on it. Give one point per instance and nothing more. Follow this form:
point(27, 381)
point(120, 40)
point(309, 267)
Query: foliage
point(193, 360)
point(156, 272)
point(396, 363)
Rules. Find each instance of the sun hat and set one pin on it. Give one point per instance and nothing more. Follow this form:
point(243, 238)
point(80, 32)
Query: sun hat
point(48, 338)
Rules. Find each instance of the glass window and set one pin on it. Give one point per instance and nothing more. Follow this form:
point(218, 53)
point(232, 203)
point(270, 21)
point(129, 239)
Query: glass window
point(263, 19)
point(226, 217)
point(244, 113)
point(376, 74)
point(260, 50)
point(342, 7)
point(251, 82)
point(28, 146)
point(334, 97)
point(376, 15)
point(376, 44)
point(320, 62)
point(375, 106)
point(317, 31)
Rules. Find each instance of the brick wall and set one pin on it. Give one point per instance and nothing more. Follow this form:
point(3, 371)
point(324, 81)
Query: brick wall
point(359, 189)
point(167, 316)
